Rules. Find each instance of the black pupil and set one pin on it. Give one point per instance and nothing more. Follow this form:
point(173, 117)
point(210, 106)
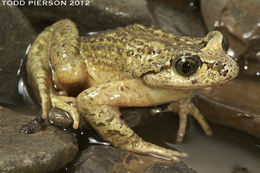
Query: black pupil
point(187, 65)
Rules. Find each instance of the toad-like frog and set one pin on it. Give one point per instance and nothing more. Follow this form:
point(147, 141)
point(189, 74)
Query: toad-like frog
point(132, 66)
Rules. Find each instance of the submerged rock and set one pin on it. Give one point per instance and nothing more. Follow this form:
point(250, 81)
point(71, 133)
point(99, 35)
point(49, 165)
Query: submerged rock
point(106, 159)
point(40, 152)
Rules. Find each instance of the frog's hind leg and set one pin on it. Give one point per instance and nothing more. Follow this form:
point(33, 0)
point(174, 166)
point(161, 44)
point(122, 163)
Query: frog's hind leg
point(38, 70)
point(54, 59)
point(99, 105)
point(68, 67)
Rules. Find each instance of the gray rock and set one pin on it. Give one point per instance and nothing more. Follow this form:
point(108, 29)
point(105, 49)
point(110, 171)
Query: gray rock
point(93, 16)
point(15, 36)
point(43, 151)
point(104, 159)
point(181, 22)
point(211, 10)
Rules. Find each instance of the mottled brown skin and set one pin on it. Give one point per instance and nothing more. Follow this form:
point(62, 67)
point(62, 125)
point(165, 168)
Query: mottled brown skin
point(126, 67)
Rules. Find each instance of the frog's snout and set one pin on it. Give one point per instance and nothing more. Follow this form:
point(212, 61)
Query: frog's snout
point(228, 68)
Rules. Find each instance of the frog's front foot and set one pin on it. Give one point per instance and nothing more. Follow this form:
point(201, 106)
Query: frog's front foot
point(184, 107)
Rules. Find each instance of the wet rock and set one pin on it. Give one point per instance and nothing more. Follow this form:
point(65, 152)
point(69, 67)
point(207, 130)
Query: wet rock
point(211, 10)
point(181, 22)
point(235, 104)
point(15, 36)
point(93, 15)
point(106, 159)
point(239, 20)
point(43, 151)
point(250, 66)
point(182, 4)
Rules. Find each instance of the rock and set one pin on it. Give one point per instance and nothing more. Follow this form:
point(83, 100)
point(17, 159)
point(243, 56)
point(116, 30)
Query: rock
point(44, 151)
point(114, 13)
point(182, 4)
point(93, 16)
point(240, 170)
point(235, 104)
point(185, 22)
point(15, 36)
point(106, 159)
point(249, 65)
point(211, 10)
point(237, 19)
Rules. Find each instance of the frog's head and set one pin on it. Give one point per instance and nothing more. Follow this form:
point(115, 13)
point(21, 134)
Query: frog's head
point(197, 63)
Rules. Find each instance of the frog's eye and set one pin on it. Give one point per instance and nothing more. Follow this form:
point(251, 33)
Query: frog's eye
point(187, 65)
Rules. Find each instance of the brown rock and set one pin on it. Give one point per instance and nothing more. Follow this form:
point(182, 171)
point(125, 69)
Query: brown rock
point(237, 19)
point(235, 104)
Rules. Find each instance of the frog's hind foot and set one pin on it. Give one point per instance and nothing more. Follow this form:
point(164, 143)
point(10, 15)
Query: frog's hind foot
point(185, 107)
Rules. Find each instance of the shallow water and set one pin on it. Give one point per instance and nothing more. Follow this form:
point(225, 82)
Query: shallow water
point(221, 153)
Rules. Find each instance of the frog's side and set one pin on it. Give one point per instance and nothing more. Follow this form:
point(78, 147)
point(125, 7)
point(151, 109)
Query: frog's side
point(131, 66)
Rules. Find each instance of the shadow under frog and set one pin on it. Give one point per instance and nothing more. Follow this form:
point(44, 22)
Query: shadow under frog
point(132, 66)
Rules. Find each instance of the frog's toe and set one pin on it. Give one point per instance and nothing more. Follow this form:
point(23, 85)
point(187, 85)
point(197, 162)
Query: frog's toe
point(200, 119)
point(185, 107)
point(67, 104)
point(45, 103)
point(157, 151)
point(182, 125)
point(189, 108)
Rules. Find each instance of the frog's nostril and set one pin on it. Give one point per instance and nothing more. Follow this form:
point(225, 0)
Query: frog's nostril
point(216, 64)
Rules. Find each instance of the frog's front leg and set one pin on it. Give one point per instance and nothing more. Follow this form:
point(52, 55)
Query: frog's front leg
point(184, 107)
point(54, 60)
point(99, 105)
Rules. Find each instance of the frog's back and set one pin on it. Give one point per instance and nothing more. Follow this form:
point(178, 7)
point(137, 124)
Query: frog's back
point(130, 52)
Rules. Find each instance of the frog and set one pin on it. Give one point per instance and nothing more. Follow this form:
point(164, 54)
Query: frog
point(94, 76)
